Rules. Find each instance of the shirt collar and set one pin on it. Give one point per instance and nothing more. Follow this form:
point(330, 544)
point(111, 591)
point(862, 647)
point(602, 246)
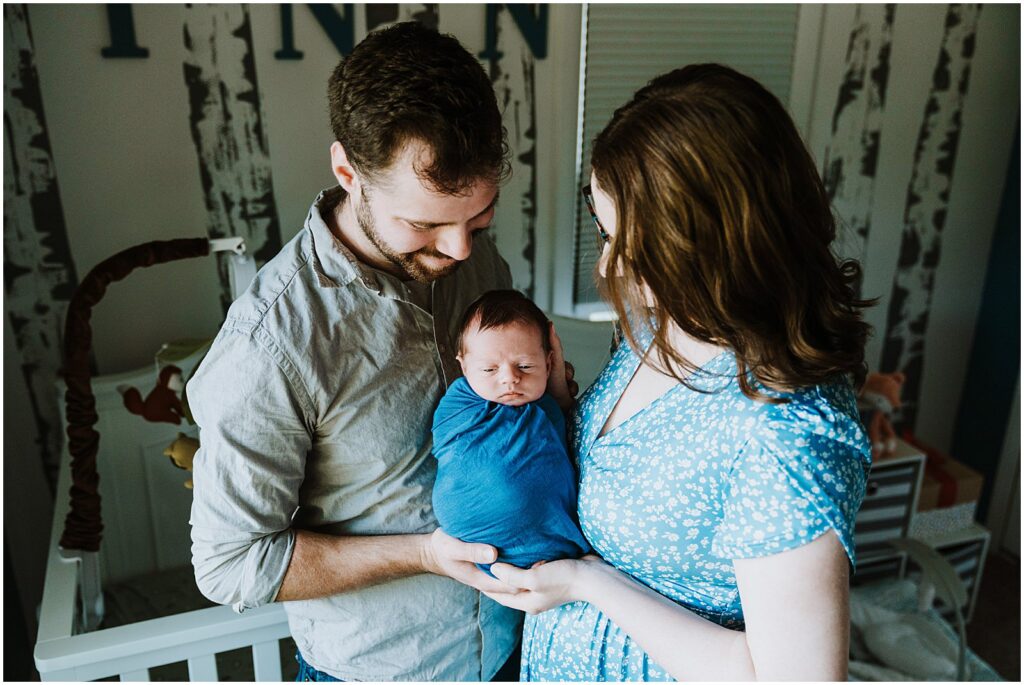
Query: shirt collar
point(336, 266)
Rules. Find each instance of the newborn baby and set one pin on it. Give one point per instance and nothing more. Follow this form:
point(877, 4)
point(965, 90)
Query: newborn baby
point(503, 472)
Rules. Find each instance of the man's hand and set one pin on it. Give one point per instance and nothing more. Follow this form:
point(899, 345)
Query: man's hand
point(444, 555)
point(561, 385)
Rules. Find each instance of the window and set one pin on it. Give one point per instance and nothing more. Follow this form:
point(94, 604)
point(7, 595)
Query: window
point(625, 45)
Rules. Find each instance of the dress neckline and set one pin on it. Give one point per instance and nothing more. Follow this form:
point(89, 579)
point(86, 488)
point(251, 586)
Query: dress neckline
point(634, 362)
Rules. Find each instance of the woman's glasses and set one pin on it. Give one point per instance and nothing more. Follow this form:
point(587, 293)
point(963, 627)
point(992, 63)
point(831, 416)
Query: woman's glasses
point(588, 198)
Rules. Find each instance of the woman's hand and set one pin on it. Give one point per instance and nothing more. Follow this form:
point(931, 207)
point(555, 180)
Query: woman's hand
point(561, 385)
point(546, 585)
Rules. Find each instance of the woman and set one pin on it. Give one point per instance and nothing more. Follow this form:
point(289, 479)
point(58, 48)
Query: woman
point(721, 458)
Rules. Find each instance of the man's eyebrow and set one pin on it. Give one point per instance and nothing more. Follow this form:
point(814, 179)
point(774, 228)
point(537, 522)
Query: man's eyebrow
point(435, 224)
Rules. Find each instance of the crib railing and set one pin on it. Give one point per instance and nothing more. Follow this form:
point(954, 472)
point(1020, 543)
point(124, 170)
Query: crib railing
point(196, 637)
point(72, 601)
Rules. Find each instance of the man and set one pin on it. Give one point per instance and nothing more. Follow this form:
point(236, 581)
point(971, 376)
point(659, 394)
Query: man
point(313, 482)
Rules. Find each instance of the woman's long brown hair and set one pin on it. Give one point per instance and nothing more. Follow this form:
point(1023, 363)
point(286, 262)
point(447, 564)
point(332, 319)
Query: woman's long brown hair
point(721, 213)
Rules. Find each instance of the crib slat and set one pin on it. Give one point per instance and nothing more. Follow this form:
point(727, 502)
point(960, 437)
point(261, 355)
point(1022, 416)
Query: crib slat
point(266, 661)
point(203, 668)
point(139, 676)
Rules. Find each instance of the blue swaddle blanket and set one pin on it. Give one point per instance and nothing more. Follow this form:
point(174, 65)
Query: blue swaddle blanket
point(504, 477)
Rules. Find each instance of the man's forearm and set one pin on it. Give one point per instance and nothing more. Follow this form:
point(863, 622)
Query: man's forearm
point(323, 565)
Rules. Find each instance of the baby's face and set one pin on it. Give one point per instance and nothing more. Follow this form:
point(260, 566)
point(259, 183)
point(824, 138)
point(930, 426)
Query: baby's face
point(507, 365)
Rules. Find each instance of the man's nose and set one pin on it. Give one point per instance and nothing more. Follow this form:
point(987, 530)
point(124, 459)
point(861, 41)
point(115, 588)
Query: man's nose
point(456, 242)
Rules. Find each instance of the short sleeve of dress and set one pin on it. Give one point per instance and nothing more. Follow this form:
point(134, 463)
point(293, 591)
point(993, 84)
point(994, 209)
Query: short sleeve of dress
point(802, 473)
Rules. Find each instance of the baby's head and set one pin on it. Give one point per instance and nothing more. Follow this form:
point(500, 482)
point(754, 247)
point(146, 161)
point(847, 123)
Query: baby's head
point(505, 348)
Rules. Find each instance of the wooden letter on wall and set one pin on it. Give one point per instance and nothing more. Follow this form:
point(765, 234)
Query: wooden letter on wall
point(533, 27)
point(340, 29)
point(122, 33)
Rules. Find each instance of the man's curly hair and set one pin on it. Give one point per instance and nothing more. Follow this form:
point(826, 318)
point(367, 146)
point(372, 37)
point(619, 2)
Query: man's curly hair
point(409, 83)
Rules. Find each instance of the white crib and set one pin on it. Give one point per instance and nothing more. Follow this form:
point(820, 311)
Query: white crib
point(146, 508)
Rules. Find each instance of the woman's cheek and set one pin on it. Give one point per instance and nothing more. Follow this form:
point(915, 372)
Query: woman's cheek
point(602, 263)
point(648, 296)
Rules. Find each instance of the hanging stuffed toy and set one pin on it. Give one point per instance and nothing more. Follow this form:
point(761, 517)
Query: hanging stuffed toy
point(182, 452)
point(167, 402)
point(878, 399)
point(162, 404)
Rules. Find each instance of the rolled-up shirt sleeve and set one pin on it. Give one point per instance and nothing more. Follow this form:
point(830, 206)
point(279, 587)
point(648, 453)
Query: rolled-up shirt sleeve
point(252, 410)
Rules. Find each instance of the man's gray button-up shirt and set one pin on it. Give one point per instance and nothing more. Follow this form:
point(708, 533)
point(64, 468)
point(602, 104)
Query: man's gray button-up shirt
point(315, 405)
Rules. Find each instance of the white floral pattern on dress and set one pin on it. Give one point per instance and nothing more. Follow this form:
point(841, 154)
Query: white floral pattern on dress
point(675, 493)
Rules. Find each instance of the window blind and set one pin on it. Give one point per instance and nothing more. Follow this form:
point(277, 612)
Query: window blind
point(627, 45)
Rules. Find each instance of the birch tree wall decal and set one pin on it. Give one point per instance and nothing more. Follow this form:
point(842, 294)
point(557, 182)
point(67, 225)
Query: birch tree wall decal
point(924, 214)
point(511, 65)
point(39, 273)
point(228, 132)
point(851, 157)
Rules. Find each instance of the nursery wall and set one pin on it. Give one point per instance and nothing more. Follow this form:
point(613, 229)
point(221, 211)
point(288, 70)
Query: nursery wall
point(105, 152)
point(913, 123)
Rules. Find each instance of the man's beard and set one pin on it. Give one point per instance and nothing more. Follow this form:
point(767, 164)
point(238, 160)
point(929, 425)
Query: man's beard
point(407, 264)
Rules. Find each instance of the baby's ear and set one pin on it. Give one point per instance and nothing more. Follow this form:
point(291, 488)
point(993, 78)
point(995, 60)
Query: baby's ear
point(550, 361)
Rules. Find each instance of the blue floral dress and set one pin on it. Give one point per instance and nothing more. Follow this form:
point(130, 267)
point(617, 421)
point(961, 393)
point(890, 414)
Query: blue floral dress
point(696, 479)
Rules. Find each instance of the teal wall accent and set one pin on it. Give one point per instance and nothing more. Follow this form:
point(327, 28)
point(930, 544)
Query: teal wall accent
point(995, 355)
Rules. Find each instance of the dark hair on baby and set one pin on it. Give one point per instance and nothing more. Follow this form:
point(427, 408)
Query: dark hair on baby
point(498, 308)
